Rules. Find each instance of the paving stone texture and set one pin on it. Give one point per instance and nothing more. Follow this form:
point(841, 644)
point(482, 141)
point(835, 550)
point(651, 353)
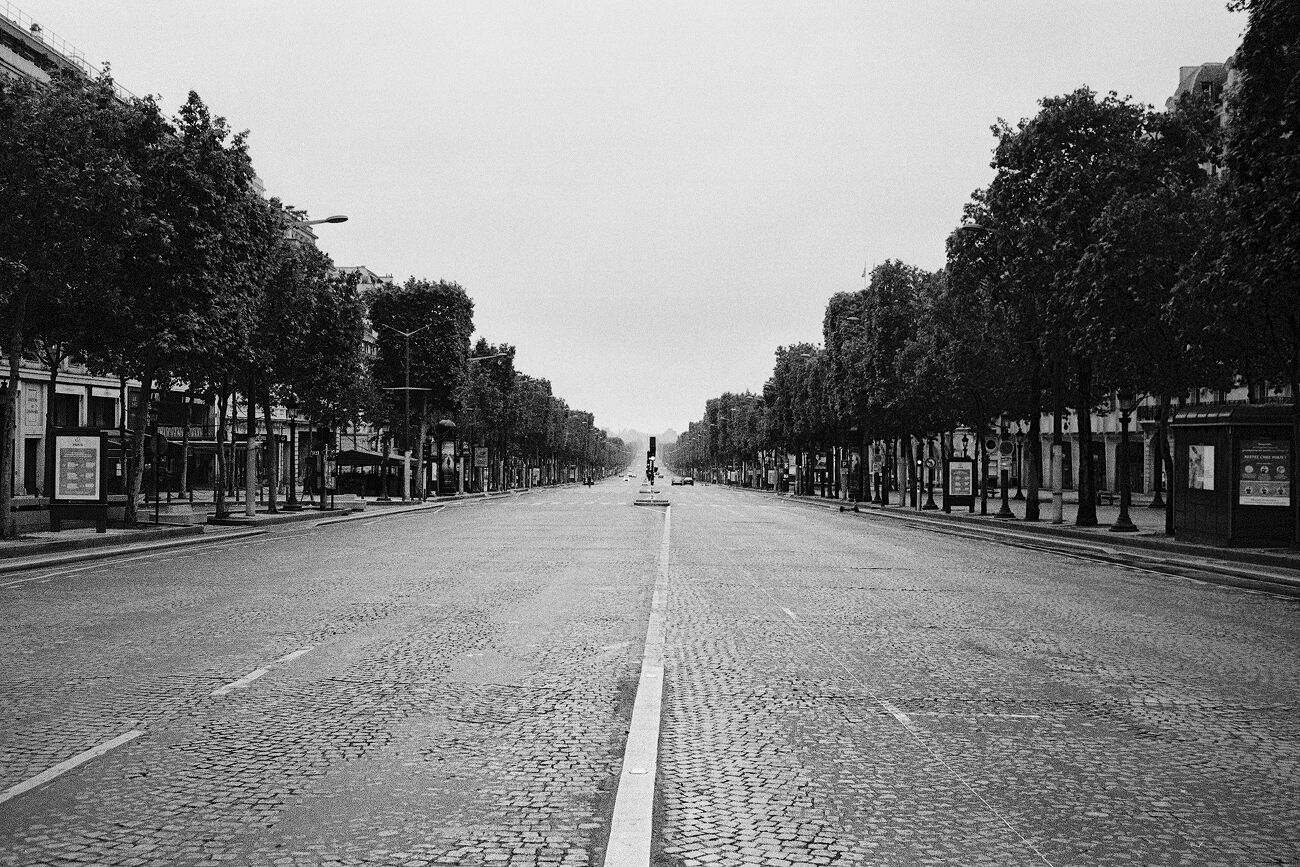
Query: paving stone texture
point(839, 690)
point(854, 692)
point(465, 700)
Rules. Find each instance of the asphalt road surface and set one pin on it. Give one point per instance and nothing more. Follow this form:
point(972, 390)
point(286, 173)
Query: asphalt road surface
point(456, 687)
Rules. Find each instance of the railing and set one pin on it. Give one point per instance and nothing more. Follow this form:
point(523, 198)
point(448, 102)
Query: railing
point(58, 44)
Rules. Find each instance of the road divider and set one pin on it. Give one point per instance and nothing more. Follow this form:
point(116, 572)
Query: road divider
point(632, 827)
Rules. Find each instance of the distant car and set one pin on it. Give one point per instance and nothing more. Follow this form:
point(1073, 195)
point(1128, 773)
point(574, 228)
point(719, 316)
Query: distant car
point(675, 481)
point(687, 480)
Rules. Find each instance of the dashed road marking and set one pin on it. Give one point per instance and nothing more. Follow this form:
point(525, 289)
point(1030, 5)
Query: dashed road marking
point(242, 682)
point(631, 829)
point(63, 767)
point(257, 672)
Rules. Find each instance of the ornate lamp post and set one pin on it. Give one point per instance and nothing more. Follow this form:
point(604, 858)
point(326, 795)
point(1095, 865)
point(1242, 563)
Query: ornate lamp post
point(291, 503)
point(1004, 473)
point(1127, 403)
point(1020, 462)
point(153, 436)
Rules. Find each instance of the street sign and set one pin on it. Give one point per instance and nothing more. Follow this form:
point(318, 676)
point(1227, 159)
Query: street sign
point(1006, 447)
point(930, 463)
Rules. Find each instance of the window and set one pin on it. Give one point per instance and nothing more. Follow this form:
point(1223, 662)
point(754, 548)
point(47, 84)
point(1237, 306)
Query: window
point(102, 412)
point(67, 410)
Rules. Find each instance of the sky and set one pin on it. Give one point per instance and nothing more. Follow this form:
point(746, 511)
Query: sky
point(646, 199)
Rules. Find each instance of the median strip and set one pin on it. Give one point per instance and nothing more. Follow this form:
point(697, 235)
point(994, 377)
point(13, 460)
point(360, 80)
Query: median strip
point(632, 826)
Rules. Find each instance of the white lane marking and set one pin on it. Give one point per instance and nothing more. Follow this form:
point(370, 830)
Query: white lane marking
point(633, 823)
point(898, 714)
point(290, 657)
point(258, 672)
point(63, 767)
point(242, 682)
point(790, 614)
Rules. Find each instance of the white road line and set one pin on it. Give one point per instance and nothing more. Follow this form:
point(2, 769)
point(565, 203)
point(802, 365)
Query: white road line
point(633, 823)
point(242, 682)
point(258, 672)
point(790, 614)
point(898, 714)
point(63, 767)
point(290, 657)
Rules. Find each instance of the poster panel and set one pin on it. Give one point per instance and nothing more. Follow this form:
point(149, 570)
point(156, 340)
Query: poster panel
point(1264, 473)
point(961, 478)
point(78, 467)
point(1200, 467)
point(480, 456)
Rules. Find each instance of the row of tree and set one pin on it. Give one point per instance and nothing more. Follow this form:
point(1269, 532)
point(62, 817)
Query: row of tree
point(140, 246)
point(1116, 248)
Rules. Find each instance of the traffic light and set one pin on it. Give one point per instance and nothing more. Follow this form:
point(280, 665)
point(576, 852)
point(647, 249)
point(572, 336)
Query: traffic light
point(652, 447)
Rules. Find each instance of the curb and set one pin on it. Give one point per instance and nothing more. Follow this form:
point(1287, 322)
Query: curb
point(59, 546)
point(106, 550)
point(1071, 540)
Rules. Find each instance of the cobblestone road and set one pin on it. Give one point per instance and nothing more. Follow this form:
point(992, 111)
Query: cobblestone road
point(846, 690)
point(455, 688)
point(464, 699)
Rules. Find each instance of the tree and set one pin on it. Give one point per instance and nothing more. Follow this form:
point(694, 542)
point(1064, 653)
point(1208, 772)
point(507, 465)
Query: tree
point(1258, 278)
point(439, 317)
point(71, 203)
point(1055, 173)
point(186, 294)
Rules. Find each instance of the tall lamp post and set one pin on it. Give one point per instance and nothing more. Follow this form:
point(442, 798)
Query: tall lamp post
point(1020, 462)
point(406, 441)
point(153, 436)
point(1004, 473)
point(1127, 403)
point(291, 503)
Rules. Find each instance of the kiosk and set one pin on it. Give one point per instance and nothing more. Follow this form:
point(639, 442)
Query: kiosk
point(1232, 475)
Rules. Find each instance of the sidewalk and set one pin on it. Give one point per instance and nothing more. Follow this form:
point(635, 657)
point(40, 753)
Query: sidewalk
point(1148, 546)
point(34, 549)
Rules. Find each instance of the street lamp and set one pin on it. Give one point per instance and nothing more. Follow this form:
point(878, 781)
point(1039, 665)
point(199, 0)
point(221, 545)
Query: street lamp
point(153, 435)
point(1020, 462)
point(291, 504)
point(1127, 403)
point(406, 441)
point(1003, 472)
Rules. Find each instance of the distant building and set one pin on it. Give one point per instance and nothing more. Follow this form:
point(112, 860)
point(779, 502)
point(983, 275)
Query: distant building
point(1208, 79)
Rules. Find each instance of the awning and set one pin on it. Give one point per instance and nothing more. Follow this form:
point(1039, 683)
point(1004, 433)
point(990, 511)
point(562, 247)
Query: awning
point(359, 458)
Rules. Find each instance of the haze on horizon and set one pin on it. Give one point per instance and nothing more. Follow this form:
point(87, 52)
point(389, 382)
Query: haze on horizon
point(646, 201)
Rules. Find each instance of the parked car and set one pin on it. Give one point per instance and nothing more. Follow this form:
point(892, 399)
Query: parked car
point(675, 481)
point(687, 480)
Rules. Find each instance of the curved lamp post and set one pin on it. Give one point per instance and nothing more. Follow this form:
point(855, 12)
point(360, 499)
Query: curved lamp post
point(1127, 403)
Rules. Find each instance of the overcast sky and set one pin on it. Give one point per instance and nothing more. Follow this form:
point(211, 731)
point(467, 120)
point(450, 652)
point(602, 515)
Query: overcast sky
point(645, 198)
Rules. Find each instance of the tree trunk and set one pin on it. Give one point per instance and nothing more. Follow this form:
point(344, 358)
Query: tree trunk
point(1087, 514)
point(223, 462)
point(250, 453)
point(1035, 443)
point(47, 482)
point(8, 529)
point(1295, 449)
point(1166, 462)
point(272, 448)
point(136, 478)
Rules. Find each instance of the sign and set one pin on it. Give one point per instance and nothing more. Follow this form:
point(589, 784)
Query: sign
point(331, 475)
point(79, 467)
point(961, 478)
point(32, 414)
point(1264, 473)
point(1200, 467)
point(480, 456)
point(929, 462)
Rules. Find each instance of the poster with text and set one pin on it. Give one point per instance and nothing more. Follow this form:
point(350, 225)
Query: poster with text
point(961, 479)
point(77, 467)
point(1264, 473)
